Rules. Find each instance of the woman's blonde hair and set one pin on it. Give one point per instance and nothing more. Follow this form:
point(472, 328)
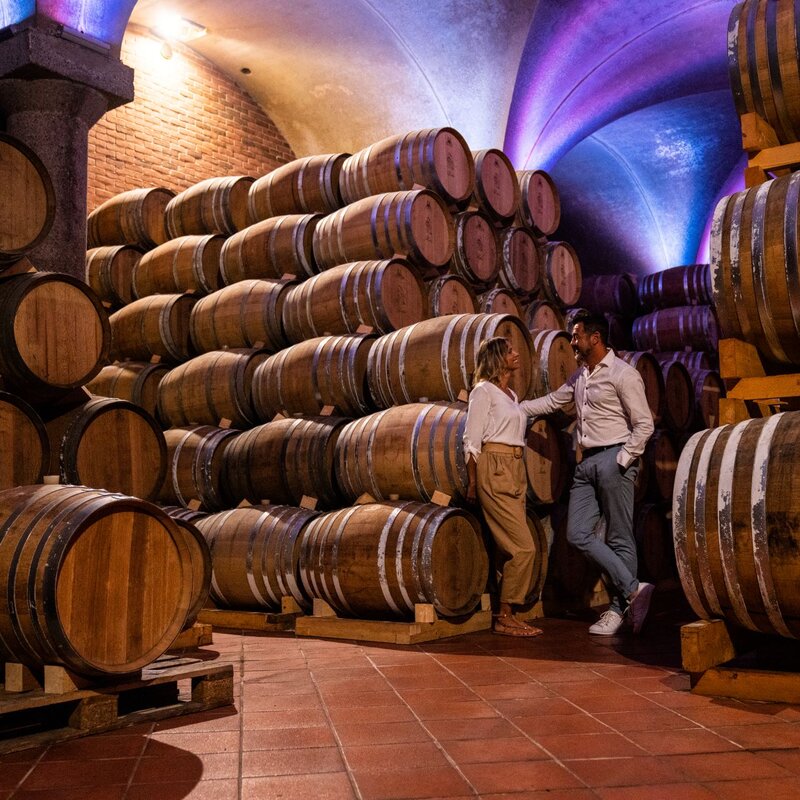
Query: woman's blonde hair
point(491, 360)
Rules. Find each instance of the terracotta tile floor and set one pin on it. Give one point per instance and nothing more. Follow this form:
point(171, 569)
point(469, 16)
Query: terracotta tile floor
point(563, 716)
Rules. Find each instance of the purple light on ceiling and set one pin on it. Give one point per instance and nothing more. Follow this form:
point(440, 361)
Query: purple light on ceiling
point(99, 19)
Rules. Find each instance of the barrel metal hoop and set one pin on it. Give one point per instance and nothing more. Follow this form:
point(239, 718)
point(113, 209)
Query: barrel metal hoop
point(414, 454)
point(752, 61)
point(398, 559)
point(374, 421)
point(381, 560)
point(444, 355)
point(792, 248)
point(733, 60)
point(784, 125)
point(334, 559)
point(250, 560)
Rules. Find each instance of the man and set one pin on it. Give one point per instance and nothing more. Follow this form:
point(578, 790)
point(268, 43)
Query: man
point(614, 424)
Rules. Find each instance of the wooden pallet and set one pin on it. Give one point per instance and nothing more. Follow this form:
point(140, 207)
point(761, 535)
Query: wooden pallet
point(712, 654)
point(169, 687)
point(427, 625)
point(199, 635)
point(254, 621)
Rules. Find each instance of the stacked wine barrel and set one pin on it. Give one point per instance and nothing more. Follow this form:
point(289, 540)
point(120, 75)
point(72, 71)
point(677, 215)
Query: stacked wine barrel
point(307, 341)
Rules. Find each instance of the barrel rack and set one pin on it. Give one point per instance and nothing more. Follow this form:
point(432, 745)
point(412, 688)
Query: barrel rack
point(764, 153)
point(58, 705)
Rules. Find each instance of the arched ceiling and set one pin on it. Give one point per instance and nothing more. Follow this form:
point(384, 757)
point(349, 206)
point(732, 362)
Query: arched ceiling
point(626, 102)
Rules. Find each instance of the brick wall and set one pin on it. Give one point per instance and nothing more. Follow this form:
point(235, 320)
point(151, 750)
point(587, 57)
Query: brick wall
point(188, 122)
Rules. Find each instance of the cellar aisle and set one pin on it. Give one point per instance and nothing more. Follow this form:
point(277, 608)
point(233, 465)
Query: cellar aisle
point(562, 716)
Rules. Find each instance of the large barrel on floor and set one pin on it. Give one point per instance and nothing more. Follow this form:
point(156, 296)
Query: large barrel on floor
point(407, 452)
point(476, 256)
point(304, 186)
point(195, 465)
point(497, 191)
point(735, 521)
point(109, 271)
point(540, 204)
point(648, 367)
point(603, 293)
point(545, 462)
point(55, 542)
point(185, 264)
point(754, 265)
point(307, 377)
point(108, 444)
point(415, 224)
point(244, 314)
point(271, 249)
point(215, 205)
point(435, 359)
point(382, 295)
point(554, 360)
point(284, 461)
point(379, 559)
point(436, 158)
point(28, 206)
point(520, 262)
point(562, 274)
point(157, 325)
point(677, 286)
point(675, 328)
point(255, 556)
point(450, 294)
point(135, 217)
point(763, 66)
point(54, 334)
point(26, 449)
point(210, 389)
point(136, 381)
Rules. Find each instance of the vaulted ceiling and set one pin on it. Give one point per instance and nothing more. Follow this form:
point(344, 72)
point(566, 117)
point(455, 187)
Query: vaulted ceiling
point(626, 102)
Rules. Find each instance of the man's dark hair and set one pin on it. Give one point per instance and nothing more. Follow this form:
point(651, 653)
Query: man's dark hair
point(593, 323)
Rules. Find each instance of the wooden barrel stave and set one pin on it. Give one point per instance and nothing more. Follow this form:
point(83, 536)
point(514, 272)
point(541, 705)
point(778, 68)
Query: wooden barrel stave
point(554, 360)
point(604, 293)
point(650, 370)
point(476, 256)
point(677, 286)
point(540, 204)
point(185, 264)
point(520, 262)
point(496, 191)
point(25, 446)
point(214, 205)
point(450, 294)
point(545, 463)
point(562, 274)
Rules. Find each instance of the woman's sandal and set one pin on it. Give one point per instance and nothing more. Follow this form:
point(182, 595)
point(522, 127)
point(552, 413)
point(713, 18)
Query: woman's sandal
point(509, 625)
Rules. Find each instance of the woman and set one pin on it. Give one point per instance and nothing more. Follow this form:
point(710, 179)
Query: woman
point(494, 445)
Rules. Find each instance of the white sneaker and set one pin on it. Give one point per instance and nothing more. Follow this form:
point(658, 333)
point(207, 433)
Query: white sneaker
point(608, 624)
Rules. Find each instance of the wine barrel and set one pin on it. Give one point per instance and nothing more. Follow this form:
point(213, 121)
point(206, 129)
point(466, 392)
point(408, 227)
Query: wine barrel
point(545, 463)
point(619, 331)
point(55, 542)
point(434, 359)
point(382, 295)
point(187, 514)
point(195, 463)
point(284, 461)
point(562, 274)
point(650, 370)
point(520, 262)
point(554, 360)
point(497, 191)
point(200, 565)
point(415, 224)
point(304, 186)
point(26, 450)
point(661, 456)
point(735, 524)
point(135, 217)
point(690, 360)
point(679, 400)
point(255, 556)
point(762, 64)
point(677, 286)
point(109, 444)
point(499, 301)
point(307, 377)
point(135, 381)
point(753, 267)
point(54, 334)
point(542, 315)
point(186, 264)
point(215, 205)
point(476, 256)
point(673, 328)
point(379, 559)
point(244, 314)
point(271, 249)
point(603, 293)
point(708, 389)
point(109, 272)
point(407, 452)
point(540, 205)
point(449, 294)
point(435, 158)
point(211, 388)
point(153, 326)
point(28, 207)
point(653, 534)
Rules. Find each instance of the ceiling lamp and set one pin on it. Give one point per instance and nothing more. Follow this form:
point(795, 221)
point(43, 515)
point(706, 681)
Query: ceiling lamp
point(176, 28)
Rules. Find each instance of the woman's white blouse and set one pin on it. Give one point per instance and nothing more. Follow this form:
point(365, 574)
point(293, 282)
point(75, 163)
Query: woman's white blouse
point(492, 416)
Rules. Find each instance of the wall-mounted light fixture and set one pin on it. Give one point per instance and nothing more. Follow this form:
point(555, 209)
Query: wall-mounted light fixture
point(175, 28)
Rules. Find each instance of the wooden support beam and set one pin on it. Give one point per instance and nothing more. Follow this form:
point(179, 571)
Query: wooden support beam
point(757, 133)
point(770, 388)
point(738, 359)
point(705, 644)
